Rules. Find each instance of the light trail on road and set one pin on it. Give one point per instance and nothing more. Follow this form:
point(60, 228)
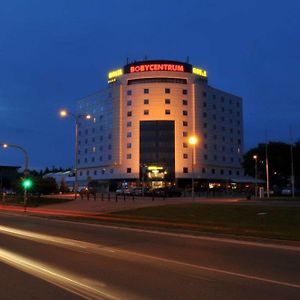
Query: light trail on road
point(134, 256)
point(69, 282)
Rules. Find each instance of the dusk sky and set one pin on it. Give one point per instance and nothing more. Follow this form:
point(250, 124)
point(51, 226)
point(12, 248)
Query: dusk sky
point(54, 52)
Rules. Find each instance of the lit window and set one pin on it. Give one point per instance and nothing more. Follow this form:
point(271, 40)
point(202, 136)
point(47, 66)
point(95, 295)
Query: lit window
point(167, 112)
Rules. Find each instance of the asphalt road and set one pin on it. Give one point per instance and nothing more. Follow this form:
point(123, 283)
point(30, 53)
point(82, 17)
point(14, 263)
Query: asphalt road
point(49, 259)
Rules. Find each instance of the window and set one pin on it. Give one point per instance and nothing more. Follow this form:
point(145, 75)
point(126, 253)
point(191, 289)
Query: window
point(109, 157)
point(229, 172)
point(128, 170)
point(128, 145)
point(100, 158)
point(129, 124)
point(103, 171)
point(204, 115)
point(214, 97)
point(205, 146)
point(185, 170)
point(129, 103)
point(146, 101)
point(184, 134)
point(205, 156)
point(184, 145)
point(167, 112)
point(237, 173)
point(87, 173)
point(129, 134)
point(221, 172)
point(204, 104)
point(95, 172)
point(204, 125)
point(167, 101)
point(101, 138)
point(86, 131)
point(167, 91)
point(184, 123)
point(213, 171)
point(203, 170)
point(129, 92)
point(184, 102)
point(129, 113)
point(109, 136)
point(214, 106)
point(85, 160)
point(146, 91)
point(146, 112)
point(109, 147)
point(185, 156)
point(128, 156)
point(215, 157)
point(184, 92)
point(80, 173)
point(204, 94)
point(184, 113)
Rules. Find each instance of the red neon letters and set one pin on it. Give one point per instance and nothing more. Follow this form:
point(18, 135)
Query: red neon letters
point(157, 67)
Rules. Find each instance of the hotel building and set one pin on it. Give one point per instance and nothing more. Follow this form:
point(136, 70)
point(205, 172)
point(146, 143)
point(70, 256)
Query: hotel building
point(141, 124)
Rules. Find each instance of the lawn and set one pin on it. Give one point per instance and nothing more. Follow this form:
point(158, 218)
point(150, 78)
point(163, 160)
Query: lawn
point(281, 222)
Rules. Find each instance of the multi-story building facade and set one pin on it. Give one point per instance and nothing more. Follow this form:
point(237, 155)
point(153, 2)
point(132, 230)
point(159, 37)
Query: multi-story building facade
point(142, 121)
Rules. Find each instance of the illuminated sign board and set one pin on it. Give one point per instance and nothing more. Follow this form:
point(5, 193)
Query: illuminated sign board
point(199, 72)
point(157, 67)
point(115, 73)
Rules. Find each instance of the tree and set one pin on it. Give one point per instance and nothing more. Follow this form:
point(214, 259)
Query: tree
point(279, 155)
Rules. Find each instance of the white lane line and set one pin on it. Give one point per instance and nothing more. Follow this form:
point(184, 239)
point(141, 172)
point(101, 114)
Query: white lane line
point(127, 255)
point(66, 281)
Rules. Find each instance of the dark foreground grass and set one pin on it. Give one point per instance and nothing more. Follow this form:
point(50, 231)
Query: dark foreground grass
point(267, 221)
point(32, 201)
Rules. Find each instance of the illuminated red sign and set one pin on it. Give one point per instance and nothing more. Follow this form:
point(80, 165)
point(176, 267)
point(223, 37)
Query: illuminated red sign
point(156, 67)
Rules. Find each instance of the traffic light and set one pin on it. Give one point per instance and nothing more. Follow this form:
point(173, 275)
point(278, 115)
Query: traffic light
point(27, 183)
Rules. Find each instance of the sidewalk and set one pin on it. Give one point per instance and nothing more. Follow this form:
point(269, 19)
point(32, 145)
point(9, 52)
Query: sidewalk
point(105, 206)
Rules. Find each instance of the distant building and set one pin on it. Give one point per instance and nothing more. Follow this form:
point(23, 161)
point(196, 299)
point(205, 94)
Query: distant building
point(142, 123)
point(67, 177)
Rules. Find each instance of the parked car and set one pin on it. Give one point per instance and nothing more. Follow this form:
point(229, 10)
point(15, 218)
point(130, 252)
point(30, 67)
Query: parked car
point(123, 191)
point(167, 192)
point(137, 191)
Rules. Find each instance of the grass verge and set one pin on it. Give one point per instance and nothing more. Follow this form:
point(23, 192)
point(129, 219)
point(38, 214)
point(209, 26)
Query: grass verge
point(277, 222)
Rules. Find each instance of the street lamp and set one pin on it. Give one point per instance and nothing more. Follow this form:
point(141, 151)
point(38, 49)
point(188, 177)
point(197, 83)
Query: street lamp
point(26, 165)
point(193, 141)
point(65, 113)
point(255, 158)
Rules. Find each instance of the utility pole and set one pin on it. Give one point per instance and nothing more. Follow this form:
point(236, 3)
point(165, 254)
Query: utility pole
point(292, 165)
point(267, 171)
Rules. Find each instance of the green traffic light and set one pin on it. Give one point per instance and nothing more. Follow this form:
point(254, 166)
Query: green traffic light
point(27, 183)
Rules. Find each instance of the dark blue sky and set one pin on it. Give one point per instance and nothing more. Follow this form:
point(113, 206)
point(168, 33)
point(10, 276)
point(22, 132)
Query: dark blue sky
point(54, 52)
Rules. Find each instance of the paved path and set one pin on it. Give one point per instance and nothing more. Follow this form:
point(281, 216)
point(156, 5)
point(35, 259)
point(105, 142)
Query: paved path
point(121, 204)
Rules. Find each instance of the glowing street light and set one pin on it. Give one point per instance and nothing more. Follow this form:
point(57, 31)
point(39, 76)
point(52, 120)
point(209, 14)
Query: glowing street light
point(63, 114)
point(193, 140)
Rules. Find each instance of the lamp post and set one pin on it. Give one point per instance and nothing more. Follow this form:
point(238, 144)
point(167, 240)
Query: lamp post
point(64, 113)
point(26, 165)
point(255, 158)
point(193, 141)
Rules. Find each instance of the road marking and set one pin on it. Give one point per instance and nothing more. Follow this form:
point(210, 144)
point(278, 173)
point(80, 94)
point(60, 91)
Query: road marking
point(66, 281)
point(127, 255)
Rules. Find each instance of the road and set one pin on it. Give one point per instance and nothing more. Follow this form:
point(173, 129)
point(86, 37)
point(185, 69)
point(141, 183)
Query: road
point(51, 259)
